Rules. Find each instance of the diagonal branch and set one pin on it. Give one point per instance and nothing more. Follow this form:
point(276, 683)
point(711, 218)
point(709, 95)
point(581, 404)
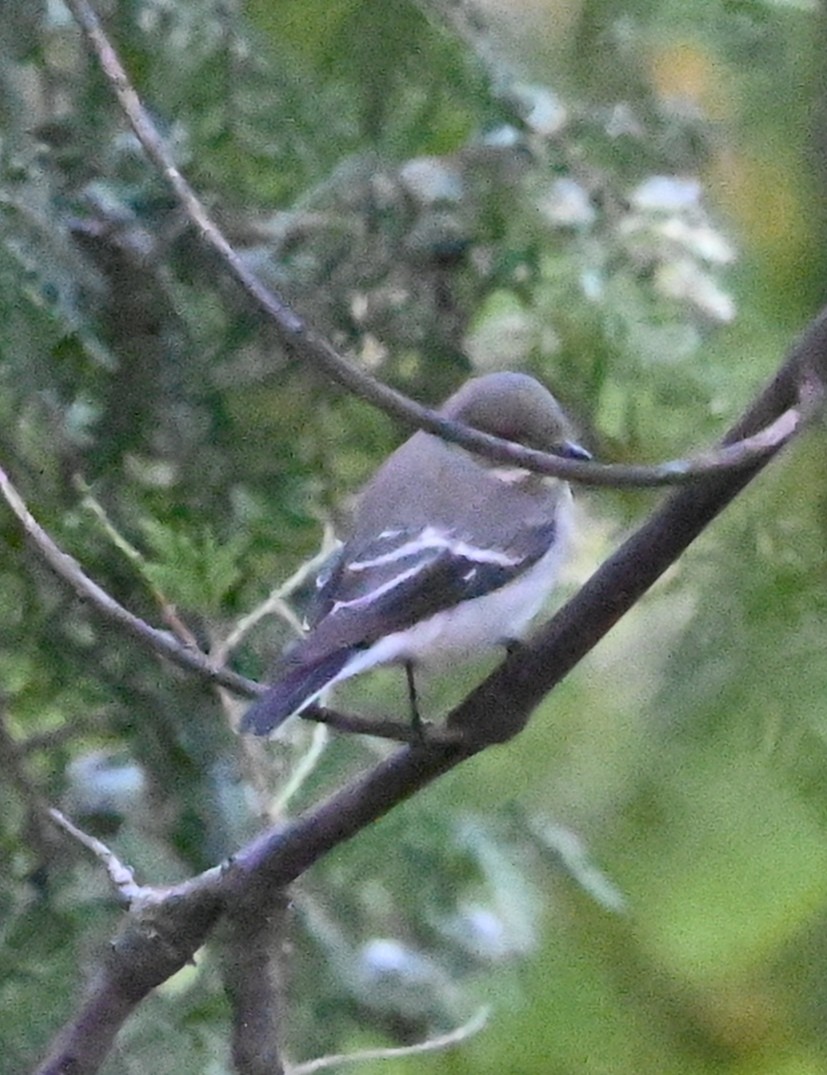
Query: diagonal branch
point(208, 667)
point(162, 642)
point(121, 876)
point(501, 706)
point(183, 917)
point(309, 345)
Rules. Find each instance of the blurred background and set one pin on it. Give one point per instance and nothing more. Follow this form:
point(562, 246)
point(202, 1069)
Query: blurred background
point(627, 201)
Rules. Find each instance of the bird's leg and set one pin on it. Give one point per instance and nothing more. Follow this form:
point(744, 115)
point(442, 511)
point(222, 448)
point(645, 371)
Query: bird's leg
point(416, 719)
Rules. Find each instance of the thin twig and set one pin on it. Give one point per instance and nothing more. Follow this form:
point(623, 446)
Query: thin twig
point(162, 642)
point(122, 876)
point(300, 772)
point(317, 351)
point(395, 730)
point(276, 601)
point(432, 1045)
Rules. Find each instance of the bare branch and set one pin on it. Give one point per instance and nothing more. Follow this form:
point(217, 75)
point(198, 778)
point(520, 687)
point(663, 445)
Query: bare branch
point(160, 935)
point(432, 1045)
point(396, 730)
point(160, 642)
point(84, 1043)
point(276, 601)
point(320, 354)
point(121, 875)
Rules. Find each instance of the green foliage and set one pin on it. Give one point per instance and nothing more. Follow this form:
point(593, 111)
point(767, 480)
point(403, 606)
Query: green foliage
point(194, 571)
point(638, 882)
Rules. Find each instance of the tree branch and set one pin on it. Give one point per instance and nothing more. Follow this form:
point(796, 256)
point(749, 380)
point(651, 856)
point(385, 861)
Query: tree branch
point(162, 642)
point(252, 943)
point(321, 355)
point(121, 876)
point(432, 1045)
point(396, 730)
point(159, 937)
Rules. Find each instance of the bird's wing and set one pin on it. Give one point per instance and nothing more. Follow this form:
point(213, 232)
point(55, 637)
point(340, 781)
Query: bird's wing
point(402, 577)
point(407, 575)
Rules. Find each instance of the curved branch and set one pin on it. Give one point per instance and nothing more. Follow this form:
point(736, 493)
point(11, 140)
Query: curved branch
point(318, 352)
point(161, 642)
point(121, 876)
point(193, 660)
point(431, 1045)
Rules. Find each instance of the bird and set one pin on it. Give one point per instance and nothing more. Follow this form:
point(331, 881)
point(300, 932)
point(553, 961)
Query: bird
point(449, 553)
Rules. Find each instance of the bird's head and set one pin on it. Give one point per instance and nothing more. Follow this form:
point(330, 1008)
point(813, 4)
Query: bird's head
point(516, 407)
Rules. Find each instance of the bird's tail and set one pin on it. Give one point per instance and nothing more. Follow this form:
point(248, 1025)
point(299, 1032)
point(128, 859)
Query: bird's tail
point(292, 692)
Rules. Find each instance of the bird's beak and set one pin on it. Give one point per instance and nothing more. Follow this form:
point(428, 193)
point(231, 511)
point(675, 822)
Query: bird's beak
point(568, 449)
